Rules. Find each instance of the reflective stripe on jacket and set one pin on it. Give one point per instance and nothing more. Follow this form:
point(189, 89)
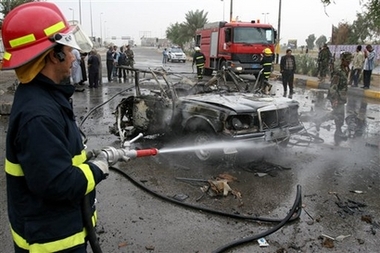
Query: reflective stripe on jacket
point(267, 65)
point(46, 173)
point(199, 58)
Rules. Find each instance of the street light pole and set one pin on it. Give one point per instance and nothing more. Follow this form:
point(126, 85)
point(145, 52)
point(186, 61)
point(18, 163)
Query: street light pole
point(223, 9)
point(92, 30)
point(265, 16)
point(73, 13)
point(101, 31)
point(80, 12)
point(231, 4)
point(278, 30)
point(105, 30)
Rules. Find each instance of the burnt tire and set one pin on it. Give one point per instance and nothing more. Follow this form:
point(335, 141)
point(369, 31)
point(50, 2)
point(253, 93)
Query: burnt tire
point(204, 151)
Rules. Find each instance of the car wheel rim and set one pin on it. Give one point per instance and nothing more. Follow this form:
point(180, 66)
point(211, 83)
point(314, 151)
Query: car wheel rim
point(201, 153)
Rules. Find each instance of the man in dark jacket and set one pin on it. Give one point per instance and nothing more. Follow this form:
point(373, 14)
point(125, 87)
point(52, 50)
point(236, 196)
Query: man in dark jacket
point(199, 60)
point(46, 166)
point(93, 69)
point(287, 69)
point(110, 62)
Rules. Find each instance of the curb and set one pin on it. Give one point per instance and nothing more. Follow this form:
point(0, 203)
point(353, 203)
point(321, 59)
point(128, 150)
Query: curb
point(301, 83)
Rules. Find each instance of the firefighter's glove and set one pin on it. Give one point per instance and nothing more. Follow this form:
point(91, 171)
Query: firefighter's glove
point(102, 162)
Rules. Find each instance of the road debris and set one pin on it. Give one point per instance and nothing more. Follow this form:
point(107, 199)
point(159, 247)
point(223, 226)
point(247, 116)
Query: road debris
point(180, 197)
point(357, 192)
point(150, 248)
point(340, 238)
point(220, 187)
point(328, 243)
point(262, 242)
point(327, 236)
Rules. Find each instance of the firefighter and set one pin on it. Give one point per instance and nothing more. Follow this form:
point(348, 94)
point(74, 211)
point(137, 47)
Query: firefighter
point(266, 62)
point(199, 61)
point(47, 174)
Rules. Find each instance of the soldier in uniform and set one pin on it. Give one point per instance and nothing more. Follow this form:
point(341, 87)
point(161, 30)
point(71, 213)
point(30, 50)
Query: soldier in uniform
point(337, 94)
point(324, 58)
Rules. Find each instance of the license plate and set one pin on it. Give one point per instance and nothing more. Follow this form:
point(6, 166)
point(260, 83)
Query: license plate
point(256, 66)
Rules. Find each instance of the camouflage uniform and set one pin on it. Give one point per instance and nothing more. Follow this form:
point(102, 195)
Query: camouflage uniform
point(337, 93)
point(324, 58)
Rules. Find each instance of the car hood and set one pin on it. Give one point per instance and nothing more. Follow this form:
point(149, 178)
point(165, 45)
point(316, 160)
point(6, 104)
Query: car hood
point(241, 102)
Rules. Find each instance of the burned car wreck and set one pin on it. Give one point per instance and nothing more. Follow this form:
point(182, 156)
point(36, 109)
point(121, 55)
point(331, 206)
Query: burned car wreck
point(164, 103)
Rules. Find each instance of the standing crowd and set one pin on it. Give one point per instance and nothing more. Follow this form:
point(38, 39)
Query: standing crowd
point(119, 61)
point(116, 61)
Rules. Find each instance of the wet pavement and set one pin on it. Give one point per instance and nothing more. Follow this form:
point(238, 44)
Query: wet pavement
point(339, 183)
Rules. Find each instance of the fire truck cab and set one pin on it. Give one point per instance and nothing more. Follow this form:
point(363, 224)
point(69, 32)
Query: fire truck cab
point(237, 45)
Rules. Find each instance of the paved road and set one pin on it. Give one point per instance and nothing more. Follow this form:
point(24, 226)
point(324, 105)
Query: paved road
point(130, 220)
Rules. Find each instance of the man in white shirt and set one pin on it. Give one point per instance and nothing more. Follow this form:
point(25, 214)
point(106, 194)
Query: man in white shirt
point(357, 66)
point(369, 65)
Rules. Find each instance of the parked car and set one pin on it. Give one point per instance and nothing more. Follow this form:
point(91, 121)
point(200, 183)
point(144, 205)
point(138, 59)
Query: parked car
point(176, 55)
point(204, 112)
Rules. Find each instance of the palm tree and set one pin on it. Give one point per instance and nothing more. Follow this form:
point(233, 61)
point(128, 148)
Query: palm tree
point(182, 33)
point(194, 21)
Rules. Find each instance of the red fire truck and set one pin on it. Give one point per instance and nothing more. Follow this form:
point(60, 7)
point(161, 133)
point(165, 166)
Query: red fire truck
point(237, 45)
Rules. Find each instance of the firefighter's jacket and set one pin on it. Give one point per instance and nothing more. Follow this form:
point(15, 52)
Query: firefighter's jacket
point(266, 62)
point(47, 176)
point(199, 59)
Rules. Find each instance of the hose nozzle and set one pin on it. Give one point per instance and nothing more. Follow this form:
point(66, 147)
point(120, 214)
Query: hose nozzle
point(146, 152)
point(114, 155)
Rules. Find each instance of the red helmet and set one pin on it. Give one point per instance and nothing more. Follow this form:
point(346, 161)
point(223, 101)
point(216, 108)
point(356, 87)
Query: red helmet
point(31, 29)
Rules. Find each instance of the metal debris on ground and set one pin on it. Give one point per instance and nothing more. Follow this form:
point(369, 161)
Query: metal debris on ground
point(262, 168)
point(259, 174)
point(180, 197)
point(149, 248)
point(357, 192)
point(340, 238)
point(367, 218)
point(350, 206)
point(262, 242)
point(327, 236)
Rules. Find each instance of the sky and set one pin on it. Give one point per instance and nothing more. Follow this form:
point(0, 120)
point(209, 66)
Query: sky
point(151, 18)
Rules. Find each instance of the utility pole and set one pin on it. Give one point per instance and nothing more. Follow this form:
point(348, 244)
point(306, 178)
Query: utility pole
point(223, 9)
point(231, 5)
point(80, 12)
point(265, 16)
point(71, 9)
point(101, 30)
point(92, 30)
point(278, 31)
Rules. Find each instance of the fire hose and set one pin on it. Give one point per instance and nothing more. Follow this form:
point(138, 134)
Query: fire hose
point(113, 156)
point(125, 154)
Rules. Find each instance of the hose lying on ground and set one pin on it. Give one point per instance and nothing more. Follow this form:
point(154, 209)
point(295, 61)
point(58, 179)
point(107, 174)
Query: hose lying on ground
point(293, 215)
point(295, 210)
